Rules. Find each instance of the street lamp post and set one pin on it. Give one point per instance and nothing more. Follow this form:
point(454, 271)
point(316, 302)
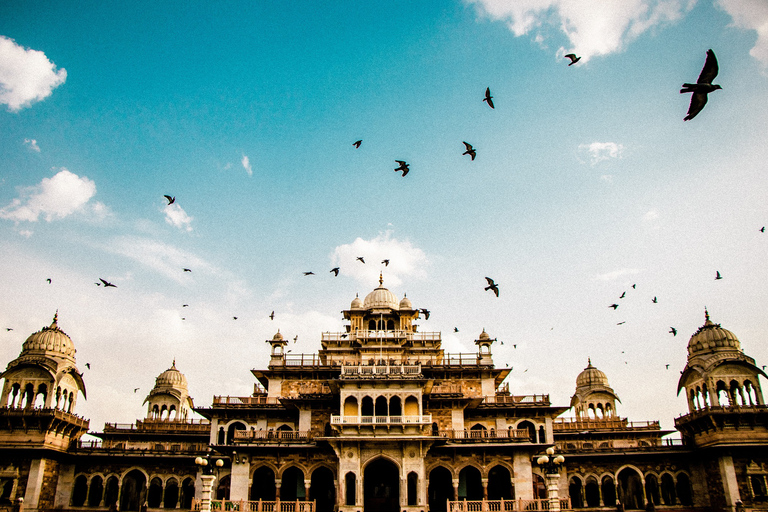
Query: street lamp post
point(551, 466)
point(207, 478)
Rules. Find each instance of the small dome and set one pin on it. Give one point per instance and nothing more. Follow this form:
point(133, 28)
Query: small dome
point(172, 378)
point(591, 376)
point(380, 298)
point(356, 303)
point(277, 337)
point(406, 303)
point(484, 336)
point(50, 339)
point(711, 337)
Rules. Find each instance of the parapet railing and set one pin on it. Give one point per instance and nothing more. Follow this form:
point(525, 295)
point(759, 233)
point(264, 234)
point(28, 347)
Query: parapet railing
point(155, 425)
point(561, 424)
point(245, 401)
point(504, 505)
point(516, 435)
point(381, 371)
point(257, 506)
point(329, 360)
point(273, 436)
point(383, 335)
point(518, 399)
point(424, 419)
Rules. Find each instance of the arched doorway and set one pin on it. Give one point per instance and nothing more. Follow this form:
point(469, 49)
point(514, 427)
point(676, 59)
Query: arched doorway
point(574, 491)
point(322, 490)
point(500, 484)
point(539, 487)
point(263, 485)
point(222, 488)
point(630, 489)
point(292, 486)
point(133, 492)
point(470, 484)
point(171, 494)
point(381, 487)
point(440, 489)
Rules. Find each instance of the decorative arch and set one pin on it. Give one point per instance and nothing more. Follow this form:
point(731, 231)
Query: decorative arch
point(630, 486)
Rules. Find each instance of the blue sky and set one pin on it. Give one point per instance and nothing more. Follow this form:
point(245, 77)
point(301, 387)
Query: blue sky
point(586, 182)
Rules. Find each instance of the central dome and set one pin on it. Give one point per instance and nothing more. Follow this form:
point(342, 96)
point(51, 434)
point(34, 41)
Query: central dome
point(50, 339)
point(171, 378)
point(591, 376)
point(711, 337)
point(381, 298)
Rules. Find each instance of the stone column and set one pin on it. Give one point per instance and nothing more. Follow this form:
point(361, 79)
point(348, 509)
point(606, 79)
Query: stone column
point(205, 494)
point(455, 489)
point(552, 492)
point(484, 481)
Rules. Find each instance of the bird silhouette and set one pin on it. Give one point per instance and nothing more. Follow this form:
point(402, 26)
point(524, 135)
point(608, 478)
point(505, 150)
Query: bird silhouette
point(702, 87)
point(573, 57)
point(335, 271)
point(622, 295)
point(455, 329)
point(344, 335)
point(187, 270)
point(49, 280)
point(488, 98)
point(673, 331)
point(88, 365)
point(360, 258)
point(9, 328)
point(135, 389)
point(614, 306)
point(654, 300)
point(425, 312)
point(309, 273)
point(492, 286)
point(385, 262)
point(106, 284)
point(667, 366)
point(295, 338)
point(621, 322)
point(234, 318)
point(470, 150)
point(170, 199)
point(272, 315)
point(185, 305)
point(633, 286)
point(357, 143)
point(403, 167)
point(762, 229)
point(718, 276)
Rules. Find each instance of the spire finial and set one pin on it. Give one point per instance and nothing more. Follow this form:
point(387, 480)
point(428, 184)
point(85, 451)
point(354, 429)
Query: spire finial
point(589, 362)
point(381, 279)
point(174, 363)
point(706, 315)
point(55, 319)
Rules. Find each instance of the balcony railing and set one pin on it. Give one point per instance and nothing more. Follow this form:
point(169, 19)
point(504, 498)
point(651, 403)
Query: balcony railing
point(245, 401)
point(473, 436)
point(157, 425)
point(366, 371)
point(364, 335)
point(257, 506)
point(518, 399)
point(425, 419)
point(504, 505)
point(330, 360)
point(273, 436)
point(563, 424)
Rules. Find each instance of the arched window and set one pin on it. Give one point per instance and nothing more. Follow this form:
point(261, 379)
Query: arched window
point(350, 482)
point(350, 406)
point(40, 397)
point(440, 489)
point(133, 491)
point(411, 406)
point(683, 488)
point(231, 431)
point(722, 394)
point(395, 408)
point(187, 493)
point(171, 495)
point(390, 325)
point(263, 485)
point(371, 325)
point(652, 489)
point(381, 406)
point(222, 490)
point(96, 491)
point(539, 487)
point(366, 407)
point(608, 488)
point(322, 490)
point(292, 487)
point(470, 484)
point(413, 482)
point(574, 491)
point(111, 491)
point(542, 434)
point(500, 484)
point(527, 425)
point(668, 494)
point(631, 489)
point(155, 493)
point(80, 491)
point(592, 492)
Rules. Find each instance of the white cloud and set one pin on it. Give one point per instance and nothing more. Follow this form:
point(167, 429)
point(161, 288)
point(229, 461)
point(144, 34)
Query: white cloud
point(54, 198)
point(177, 217)
point(615, 274)
point(405, 260)
point(26, 75)
point(592, 28)
point(25, 233)
point(750, 15)
point(32, 145)
point(163, 258)
point(650, 216)
point(607, 177)
point(247, 165)
point(601, 151)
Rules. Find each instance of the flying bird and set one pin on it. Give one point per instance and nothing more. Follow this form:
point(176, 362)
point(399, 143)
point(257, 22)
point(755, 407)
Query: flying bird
point(234, 318)
point(492, 286)
point(470, 150)
point(425, 312)
point(295, 338)
point(360, 258)
point(9, 328)
point(614, 306)
point(718, 276)
point(573, 57)
point(403, 167)
point(170, 199)
point(702, 87)
point(309, 273)
point(385, 262)
point(621, 322)
point(335, 271)
point(357, 143)
point(272, 315)
point(667, 366)
point(135, 389)
point(185, 305)
point(622, 295)
point(654, 300)
point(673, 331)
point(762, 229)
point(488, 98)
point(633, 286)
point(88, 365)
point(106, 284)
point(49, 280)
point(455, 329)
point(187, 270)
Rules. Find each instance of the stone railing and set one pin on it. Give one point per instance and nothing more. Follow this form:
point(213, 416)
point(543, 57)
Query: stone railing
point(504, 505)
point(273, 436)
point(564, 424)
point(425, 419)
point(245, 401)
point(478, 436)
point(257, 506)
point(374, 371)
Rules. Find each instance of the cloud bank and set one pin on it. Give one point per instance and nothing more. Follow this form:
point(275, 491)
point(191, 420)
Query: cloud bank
point(592, 28)
point(750, 15)
point(177, 217)
point(54, 198)
point(26, 75)
point(247, 165)
point(601, 151)
point(405, 260)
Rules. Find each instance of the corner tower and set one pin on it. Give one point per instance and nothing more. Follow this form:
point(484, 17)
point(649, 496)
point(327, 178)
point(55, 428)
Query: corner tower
point(594, 398)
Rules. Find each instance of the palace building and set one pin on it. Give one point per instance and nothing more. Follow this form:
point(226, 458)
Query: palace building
point(381, 419)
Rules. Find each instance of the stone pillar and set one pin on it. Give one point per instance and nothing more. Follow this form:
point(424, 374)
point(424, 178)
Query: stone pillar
point(552, 492)
point(239, 479)
point(523, 474)
point(205, 494)
point(34, 484)
point(455, 489)
point(730, 484)
point(484, 481)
